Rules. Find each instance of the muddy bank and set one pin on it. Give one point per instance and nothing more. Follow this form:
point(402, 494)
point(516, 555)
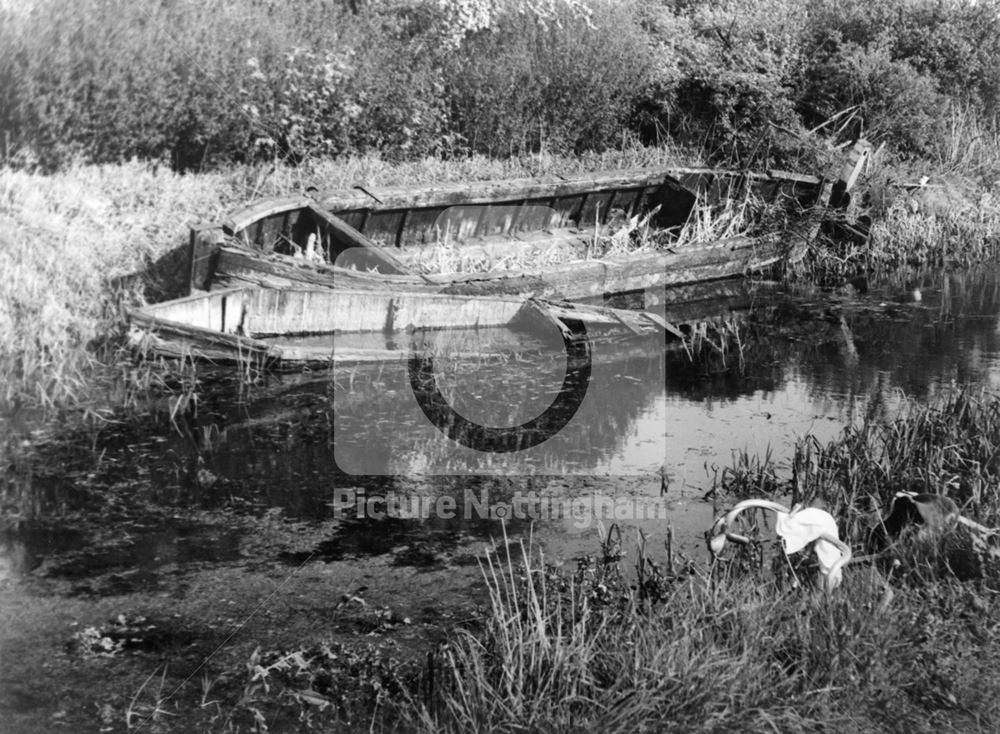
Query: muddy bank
point(100, 599)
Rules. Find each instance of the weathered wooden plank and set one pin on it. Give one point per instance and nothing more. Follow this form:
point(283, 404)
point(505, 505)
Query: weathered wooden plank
point(244, 217)
point(356, 249)
point(574, 279)
point(180, 338)
point(513, 190)
point(281, 324)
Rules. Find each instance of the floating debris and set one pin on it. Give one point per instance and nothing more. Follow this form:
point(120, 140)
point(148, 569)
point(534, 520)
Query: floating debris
point(797, 528)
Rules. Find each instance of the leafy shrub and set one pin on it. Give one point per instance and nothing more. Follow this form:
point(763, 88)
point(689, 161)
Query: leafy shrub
point(351, 96)
point(896, 102)
point(105, 80)
point(568, 83)
point(194, 84)
point(955, 44)
point(901, 62)
point(733, 64)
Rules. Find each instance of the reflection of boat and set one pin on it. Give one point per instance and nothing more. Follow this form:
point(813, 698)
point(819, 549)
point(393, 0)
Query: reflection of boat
point(341, 235)
point(300, 326)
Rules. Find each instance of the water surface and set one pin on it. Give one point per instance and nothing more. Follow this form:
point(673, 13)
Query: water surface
point(300, 451)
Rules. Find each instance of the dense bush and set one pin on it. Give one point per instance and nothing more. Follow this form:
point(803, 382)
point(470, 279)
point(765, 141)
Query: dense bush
point(893, 100)
point(901, 63)
point(194, 84)
point(734, 65)
point(344, 95)
point(106, 80)
point(527, 84)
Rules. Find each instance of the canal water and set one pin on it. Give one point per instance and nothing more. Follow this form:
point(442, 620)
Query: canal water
point(351, 467)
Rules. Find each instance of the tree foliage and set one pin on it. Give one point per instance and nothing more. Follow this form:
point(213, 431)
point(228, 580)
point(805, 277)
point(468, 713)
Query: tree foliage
point(195, 84)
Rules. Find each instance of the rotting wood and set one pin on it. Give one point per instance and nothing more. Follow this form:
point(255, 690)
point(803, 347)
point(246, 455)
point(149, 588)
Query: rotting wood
point(354, 239)
point(575, 279)
point(204, 325)
point(669, 188)
point(512, 190)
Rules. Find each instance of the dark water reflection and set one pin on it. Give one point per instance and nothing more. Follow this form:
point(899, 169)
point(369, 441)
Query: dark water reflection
point(154, 496)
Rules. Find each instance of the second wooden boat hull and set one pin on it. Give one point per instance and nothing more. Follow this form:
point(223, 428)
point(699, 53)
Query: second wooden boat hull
point(328, 326)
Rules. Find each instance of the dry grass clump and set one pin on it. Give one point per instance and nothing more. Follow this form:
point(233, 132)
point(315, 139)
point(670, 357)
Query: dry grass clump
point(904, 642)
point(971, 144)
point(906, 235)
point(79, 245)
point(954, 237)
point(732, 218)
point(71, 241)
point(621, 235)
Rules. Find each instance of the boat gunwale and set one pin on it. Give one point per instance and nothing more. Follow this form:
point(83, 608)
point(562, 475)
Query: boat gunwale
point(392, 198)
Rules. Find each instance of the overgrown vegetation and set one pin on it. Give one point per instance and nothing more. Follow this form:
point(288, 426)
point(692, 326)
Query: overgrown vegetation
point(77, 247)
point(958, 236)
point(595, 650)
point(747, 81)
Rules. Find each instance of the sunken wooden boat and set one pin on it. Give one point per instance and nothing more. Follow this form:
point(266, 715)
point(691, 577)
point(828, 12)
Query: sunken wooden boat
point(368, 238)
point(376, 232)
point(360, 264)
point(296, 327)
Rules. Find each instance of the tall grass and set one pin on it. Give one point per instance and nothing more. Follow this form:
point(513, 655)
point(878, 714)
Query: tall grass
point(946, 224)
point(570, 651)
point(950, 447)
point(956, 238)
point(971, 144)
point(898, 647)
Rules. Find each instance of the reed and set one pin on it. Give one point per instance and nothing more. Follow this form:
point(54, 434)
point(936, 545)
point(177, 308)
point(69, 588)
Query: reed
point(971, 144)
point(902, 238)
